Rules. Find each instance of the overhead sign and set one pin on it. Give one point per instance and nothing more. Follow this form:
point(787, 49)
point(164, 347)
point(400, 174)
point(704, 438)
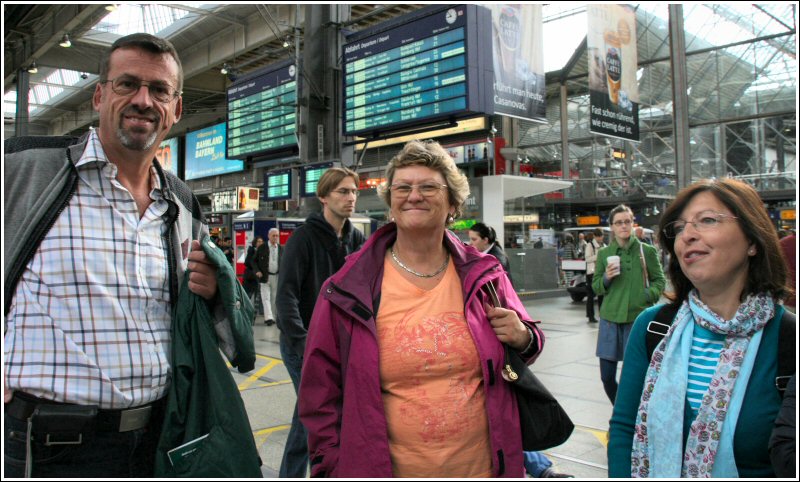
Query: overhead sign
point(423, 67)
point(167, 155)
point(278, 185)
point(249, 198)
point(588, 220)
point(262, 112)
point(205, 153)
point(519, 84)
point(613, 87)
point(309, 178)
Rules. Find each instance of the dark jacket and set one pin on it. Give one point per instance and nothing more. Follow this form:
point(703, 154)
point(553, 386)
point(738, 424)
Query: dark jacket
point(203, 399)
point(312, 254)
point(340, 401)
point(498, 253)
point(262, 261)
point(250, 266)
point(783, 442)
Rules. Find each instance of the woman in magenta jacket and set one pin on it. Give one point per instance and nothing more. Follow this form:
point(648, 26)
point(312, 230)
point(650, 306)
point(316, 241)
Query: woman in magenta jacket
point(368, 399)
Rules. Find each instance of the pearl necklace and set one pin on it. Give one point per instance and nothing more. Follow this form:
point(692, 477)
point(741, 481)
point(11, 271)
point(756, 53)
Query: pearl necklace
point(421, 275)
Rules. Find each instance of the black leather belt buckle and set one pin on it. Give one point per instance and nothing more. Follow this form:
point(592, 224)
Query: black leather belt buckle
point(134, 418)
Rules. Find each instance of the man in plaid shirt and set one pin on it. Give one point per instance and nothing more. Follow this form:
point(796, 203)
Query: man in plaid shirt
point(98, 239)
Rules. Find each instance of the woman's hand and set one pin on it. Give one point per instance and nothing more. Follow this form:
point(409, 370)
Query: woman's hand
point(508, 327)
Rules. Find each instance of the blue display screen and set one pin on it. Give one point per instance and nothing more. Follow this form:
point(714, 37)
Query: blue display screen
point(205, 153)
point(419, 68)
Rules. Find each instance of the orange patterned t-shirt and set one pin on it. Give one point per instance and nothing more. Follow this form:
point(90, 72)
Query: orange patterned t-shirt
point(431, 380)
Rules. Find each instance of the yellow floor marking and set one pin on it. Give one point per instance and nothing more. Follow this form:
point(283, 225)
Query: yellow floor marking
point(600, 435)
point(262, 435)
point(257, 374)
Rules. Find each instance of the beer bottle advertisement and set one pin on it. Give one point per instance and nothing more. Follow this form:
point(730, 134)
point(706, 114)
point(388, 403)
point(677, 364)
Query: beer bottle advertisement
point(613, 87)
point(517, 43)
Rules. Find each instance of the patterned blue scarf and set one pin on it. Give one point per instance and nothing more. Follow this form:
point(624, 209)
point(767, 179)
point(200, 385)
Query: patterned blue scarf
point(658, 437)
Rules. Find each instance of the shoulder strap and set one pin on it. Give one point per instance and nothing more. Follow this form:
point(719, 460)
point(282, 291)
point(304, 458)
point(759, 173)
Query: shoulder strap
point(659, 326)
point(786, 350)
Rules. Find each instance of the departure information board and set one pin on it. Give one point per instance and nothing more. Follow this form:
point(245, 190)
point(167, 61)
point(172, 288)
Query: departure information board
point(309, 178)
point(420, 68)
point(261, 112)
point(277, 185)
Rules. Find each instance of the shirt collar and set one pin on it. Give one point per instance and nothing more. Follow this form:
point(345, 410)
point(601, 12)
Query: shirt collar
point(94, 155)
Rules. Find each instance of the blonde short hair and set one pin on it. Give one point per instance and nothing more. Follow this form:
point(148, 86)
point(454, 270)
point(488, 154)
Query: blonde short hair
point(433, 156)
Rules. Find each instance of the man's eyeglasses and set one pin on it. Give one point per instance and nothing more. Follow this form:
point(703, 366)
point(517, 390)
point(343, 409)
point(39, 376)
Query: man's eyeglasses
point(346, 192)
point(126, 85)
point(623, 222)
point(703, 221)
point(427, 189)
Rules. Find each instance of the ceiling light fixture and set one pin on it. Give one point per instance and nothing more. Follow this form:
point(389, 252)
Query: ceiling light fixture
point(225, 68)
point(112, 7)
point(286, 44)
point(32, 69)
point(65, 42)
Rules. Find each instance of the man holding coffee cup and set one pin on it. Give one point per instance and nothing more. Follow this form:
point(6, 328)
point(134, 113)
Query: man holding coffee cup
point(632, 280)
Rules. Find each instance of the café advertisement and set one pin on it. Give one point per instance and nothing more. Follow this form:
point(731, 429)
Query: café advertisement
point(613, 87)
point(517, 43)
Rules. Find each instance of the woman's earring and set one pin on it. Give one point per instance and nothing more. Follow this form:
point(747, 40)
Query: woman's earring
point(450, 219)
point(751, 251)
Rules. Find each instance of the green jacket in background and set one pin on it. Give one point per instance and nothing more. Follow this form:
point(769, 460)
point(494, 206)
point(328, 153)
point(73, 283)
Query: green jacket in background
point(205, 416)
point(627, 296)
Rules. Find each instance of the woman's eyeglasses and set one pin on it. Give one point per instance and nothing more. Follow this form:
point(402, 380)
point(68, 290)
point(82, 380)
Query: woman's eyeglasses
point(427, 189)
point(704, 221)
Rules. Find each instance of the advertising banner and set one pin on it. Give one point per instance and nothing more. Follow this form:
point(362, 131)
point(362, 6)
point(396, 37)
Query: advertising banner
point(249, 198)
point(517, 43)
point(167, 155)
point(205, 153)
point(613, 87)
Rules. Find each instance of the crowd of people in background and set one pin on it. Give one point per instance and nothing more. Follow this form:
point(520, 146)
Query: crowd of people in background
point(393, 343)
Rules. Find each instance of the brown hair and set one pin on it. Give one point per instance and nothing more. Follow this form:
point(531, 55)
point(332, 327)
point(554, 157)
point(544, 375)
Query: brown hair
point(331, 178)
point(431, 155)
point(766, 270)
point(148, 43)
point(619, 209)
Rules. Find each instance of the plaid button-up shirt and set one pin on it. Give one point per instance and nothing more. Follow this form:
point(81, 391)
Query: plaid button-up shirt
point(90, 319)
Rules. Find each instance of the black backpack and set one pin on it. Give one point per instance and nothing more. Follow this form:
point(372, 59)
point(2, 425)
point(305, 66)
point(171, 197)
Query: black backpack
point(658, 327)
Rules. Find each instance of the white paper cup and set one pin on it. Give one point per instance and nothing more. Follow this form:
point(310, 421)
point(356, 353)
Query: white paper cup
point(613, 261)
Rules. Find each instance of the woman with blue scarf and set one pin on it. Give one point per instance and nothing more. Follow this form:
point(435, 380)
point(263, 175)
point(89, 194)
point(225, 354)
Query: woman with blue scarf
point(705, 403)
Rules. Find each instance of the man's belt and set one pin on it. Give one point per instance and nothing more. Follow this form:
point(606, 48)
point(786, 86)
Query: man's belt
point(22, 406)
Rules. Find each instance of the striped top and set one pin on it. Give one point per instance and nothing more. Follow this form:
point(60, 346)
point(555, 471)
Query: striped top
point(703, 360)
point(89, 322)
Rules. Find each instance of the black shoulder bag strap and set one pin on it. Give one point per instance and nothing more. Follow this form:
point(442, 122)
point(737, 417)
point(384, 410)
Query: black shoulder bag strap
point(786, 350)
point(659, 325)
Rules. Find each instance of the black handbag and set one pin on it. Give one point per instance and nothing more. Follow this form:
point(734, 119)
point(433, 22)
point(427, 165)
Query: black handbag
point(543, 421)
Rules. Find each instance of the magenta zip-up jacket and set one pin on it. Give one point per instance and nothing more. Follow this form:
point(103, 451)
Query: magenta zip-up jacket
point(340, 401)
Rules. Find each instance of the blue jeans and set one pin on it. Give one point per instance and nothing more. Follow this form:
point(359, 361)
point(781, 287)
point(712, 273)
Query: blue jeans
point(104, 455)
point(295, 453)
point(536, 463)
